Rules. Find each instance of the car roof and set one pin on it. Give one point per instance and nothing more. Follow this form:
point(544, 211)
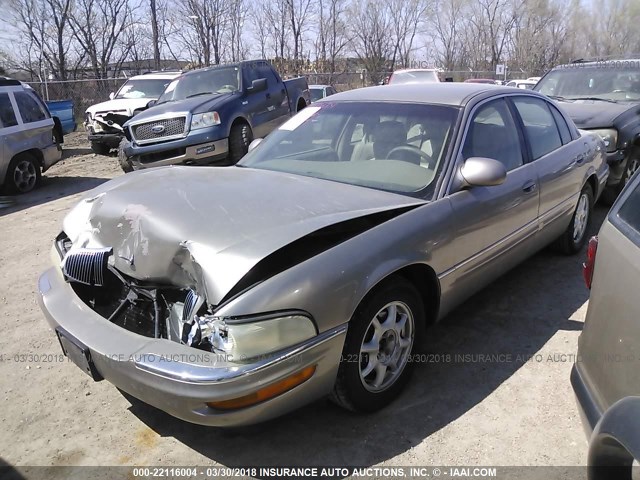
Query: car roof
point(319, 86)
point(157, 76)
point(610, 63)
point(444, 93)
point(403, 70)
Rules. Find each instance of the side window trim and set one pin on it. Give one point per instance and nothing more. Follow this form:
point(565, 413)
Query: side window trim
point(523, 127)
point(558, 117)
point(505, 102)
point(462, 126)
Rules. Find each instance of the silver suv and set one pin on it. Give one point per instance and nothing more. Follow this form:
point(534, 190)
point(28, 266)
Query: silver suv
point(27, 145)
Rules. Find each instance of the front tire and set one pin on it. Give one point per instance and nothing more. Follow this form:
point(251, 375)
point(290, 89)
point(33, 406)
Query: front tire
point(376, 360)
point(574, 237)
point(23, 174)
point(100, 148)
point(123, 160)
point(239, 140)
point(610, 193)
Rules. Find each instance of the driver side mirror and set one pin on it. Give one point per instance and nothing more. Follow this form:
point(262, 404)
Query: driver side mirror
point(258, 85)
point(254, 144)
point(151, 103)
point(112, 96)
point(482, 172)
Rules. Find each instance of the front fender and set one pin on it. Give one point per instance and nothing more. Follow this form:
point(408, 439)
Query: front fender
point(615, 441)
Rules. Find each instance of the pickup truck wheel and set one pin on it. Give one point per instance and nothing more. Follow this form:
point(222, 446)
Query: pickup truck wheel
point(100, 148)
point(376, 359)
point(23, 174)
point(123, 160)
point(572, 240)
point(239, 140)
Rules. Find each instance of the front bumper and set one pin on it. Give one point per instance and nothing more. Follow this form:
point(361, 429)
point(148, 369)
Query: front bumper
point(110, 139)
point(180, 379)
point(198, 147)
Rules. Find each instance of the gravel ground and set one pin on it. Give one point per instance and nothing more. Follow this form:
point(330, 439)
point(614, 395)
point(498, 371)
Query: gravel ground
point(518, 409)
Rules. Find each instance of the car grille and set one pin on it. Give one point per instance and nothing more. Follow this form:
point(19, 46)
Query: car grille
point(159, 130)
point(86, 265)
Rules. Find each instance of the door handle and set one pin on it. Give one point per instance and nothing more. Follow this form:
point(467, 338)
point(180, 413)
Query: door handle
point(580, 159)
point(268, 95)
point(529, 187)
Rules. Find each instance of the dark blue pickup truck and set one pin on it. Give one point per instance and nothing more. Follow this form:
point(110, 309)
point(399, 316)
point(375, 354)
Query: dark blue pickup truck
point(210, 115)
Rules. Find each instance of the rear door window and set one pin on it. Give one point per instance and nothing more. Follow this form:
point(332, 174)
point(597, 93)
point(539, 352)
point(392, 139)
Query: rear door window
point(629, 211)
point(30, 110)
point(7, 115)
point(539, 125)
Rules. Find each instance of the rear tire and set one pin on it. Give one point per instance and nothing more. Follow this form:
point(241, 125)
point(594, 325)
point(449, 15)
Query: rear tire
point(23, 174)
point(574, 237)
point(239, 140)
point(123, 160)
point(100, 148)
point(376, 359)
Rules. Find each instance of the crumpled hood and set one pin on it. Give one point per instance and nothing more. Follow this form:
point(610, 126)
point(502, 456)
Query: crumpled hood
point(207, 227)
point(593, 113)
point(121, 104)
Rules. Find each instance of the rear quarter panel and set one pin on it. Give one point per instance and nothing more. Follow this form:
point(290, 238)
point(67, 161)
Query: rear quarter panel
point(609, 346)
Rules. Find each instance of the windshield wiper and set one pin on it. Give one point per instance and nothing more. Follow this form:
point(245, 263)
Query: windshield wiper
point(198, 94)
point(595, 98)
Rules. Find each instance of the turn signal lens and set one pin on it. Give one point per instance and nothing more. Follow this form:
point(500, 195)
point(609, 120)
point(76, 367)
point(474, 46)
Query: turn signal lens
point(266, 393)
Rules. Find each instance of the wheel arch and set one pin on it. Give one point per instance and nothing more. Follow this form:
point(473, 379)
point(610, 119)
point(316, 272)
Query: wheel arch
point(239, 120)
point(426, 283)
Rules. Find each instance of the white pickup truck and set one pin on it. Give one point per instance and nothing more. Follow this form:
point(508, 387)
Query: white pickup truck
point(104, 121)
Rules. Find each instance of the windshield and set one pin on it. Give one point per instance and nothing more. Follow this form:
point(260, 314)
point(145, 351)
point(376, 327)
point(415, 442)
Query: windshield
point(387, 146)
point(316, 94)
point(144, 88)
point(416, 76)
point(593, 82)
point(203, 82)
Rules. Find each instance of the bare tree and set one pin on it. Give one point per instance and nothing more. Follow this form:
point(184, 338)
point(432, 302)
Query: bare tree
point(298, 12)
point(44, 27)
point(448, 21)
point(332, 40)
point(372, 42)
point(406, 16)
point(99, 26)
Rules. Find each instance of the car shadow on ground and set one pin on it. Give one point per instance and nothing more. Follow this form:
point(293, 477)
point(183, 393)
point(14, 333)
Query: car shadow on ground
point(50, 188)
point(74, 152)
point(500, 319)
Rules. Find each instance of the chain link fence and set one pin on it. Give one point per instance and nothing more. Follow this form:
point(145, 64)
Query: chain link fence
point(85, 93)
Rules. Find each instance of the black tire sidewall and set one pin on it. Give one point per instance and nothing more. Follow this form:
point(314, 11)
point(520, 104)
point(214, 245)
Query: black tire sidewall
point(239, 139)
point(396, 289)
point(123, 160)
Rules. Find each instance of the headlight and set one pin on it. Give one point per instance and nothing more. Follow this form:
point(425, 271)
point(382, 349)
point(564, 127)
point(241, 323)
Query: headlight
point(202, 120)
point(610, 138)
point(247, 338)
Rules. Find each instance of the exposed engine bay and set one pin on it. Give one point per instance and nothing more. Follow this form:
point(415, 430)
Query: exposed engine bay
point(151, 310)
point(109, 122)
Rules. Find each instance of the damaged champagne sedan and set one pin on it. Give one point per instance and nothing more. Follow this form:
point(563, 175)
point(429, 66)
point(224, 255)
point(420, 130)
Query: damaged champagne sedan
point(228, 296)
